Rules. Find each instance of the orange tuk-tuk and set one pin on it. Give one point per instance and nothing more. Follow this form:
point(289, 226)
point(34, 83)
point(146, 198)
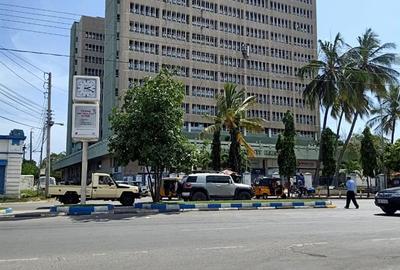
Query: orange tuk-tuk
point(266, 186)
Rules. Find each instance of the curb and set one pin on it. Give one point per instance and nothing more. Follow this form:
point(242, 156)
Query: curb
point(6, 211)
point(162, 208)
point(83, 209)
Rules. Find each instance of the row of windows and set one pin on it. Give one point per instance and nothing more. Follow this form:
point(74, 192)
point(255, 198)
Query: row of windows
point(204, 57)
point(305, 119)
point(175, 16)
point(92, 35)
point(207, 92)
point(231, 78)
point(93, 72)
point(94, 60)
point(212, 41)
point(204, 22)
point(203, 74)
point(200, 109)
point(144, 10)
point(94, 48)
point(144, 47)
point(256, 81)
point(177, 70)
point(177, 2)
point(175, 52)
point(141, 65)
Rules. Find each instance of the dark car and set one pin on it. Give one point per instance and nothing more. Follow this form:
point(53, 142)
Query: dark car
point(388, 200)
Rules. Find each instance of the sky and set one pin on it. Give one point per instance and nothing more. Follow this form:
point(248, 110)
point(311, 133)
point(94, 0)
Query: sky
point(349, 17)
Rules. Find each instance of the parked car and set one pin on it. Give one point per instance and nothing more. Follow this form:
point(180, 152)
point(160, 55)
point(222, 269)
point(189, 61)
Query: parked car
point(42, 182)
point(101, 187)
point(206, 186)
point(388, 200)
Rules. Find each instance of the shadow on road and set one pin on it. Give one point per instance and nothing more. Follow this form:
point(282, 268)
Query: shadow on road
point(111, 217)
point(385, 215)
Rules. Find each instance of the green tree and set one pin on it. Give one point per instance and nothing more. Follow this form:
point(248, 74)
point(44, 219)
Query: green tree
point(285, 149)
point(368, 156)
point(29, 168)
point(371, 69)
point(54, 157)
point(327, 76)
point(387, 112)
point(232, 107)
point(328, 153)
point(148, 127)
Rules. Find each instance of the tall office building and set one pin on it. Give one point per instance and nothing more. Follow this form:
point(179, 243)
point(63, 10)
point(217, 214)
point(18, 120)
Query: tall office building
point(87, 58)
point(258, 45)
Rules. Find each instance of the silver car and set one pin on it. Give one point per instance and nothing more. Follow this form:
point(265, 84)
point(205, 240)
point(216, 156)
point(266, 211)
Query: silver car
point(206, 186)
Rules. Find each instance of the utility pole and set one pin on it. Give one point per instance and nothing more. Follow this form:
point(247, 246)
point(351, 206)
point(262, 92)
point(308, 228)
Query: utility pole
point(49, 123)
point(30, 145)
point(41, 146)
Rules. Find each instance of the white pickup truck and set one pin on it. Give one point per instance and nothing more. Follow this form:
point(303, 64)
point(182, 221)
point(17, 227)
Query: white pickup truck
point(101, 187)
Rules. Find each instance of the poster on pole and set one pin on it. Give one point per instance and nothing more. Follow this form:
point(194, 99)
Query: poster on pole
point(85, 122)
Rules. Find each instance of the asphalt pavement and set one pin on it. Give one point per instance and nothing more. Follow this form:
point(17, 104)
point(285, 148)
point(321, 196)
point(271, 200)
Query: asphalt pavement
point(257, 239)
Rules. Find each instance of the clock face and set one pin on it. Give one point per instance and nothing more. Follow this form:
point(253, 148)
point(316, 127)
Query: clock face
point(86, 88)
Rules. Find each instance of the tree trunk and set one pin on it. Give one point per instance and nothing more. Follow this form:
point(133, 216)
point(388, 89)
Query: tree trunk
point(368, 186)
point(316, 176)
point(216, 150)
point(151, 186)
point(157, 186)
point(340, 158)
point(234, 152)
point(393, 130)
point(335, 179)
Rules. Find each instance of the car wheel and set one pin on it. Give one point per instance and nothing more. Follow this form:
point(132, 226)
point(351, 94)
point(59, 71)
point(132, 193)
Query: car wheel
point(199, 196)
point(265, 196)
point(257, 197)
point(244, 195)
point(127, 199)
point(388, 210)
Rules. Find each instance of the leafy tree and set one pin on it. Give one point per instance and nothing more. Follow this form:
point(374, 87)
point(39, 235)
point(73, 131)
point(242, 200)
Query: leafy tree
point(328, 152)
point(388, 112)
point(392, 156)
point(232, 107)
point(29, 168)
point(327, 76)
point(148, 127)
point(54, 157)
point(285, 149)
point(370, 70)
point(368, 155)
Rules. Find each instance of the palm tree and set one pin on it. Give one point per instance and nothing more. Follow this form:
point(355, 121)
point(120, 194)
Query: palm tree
point(232, 108)
point(388, 112)
point(327, 77)
point(369, 66)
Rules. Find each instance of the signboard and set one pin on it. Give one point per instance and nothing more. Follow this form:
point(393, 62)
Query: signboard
point(85, 122)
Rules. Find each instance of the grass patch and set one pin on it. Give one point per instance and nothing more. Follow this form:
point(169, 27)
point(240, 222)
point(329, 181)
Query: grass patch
point(27, 195)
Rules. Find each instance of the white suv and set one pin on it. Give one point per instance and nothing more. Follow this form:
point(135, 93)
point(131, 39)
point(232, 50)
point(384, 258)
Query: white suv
point(206, 186)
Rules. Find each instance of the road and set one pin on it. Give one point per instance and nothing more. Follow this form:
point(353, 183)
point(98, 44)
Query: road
point(265, 239)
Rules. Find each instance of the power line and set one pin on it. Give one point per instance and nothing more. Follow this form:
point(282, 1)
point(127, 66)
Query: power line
point(16, 74)
point(41, 9)
point(35, 19)
point(8, 119)
point(38, 24)
point(38, 14)
point(33, 31)
point(29, 114)
point(28, 107)
point(26, 61)
point(20, 96)
point(21, 66)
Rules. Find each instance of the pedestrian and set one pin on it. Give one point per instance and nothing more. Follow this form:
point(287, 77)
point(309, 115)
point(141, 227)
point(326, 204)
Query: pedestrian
point(351, 193)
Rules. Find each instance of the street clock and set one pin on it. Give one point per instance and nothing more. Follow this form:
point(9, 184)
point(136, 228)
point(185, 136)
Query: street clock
point(86, 89)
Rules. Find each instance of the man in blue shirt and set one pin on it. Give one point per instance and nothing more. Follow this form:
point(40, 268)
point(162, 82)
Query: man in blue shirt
point(351, 193)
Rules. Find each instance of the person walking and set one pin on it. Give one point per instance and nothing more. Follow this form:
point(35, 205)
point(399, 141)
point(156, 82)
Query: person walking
point(351, 193)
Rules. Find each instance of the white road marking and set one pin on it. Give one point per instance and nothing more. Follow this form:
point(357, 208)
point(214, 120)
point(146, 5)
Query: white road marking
point(19, 260)
point(99, 254)
point(217, 248)
point(214, 229)
point(385, 239)
point(308, 244)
